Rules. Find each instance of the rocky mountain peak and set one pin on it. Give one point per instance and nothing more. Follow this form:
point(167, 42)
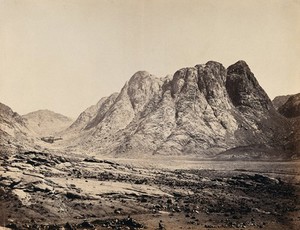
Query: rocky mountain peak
point(14, 133)
point(141, 88)
point(215, 66)
point(139, 76)
point(205, 108)
point(201, 77)
point(240, 67)
point(243, 88)
point(7, 113)
point(211, 82)
point(183, 80)
point(4, 109)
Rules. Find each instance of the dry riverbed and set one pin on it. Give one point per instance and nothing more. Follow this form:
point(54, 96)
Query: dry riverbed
point(47, 191)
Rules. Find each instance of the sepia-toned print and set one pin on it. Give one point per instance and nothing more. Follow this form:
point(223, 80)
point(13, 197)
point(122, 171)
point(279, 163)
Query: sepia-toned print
point(136, 114)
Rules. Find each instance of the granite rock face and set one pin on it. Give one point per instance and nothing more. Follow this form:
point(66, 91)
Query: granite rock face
point(201, 110)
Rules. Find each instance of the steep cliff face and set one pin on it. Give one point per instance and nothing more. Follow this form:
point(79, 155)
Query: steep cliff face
point(202, 116)
point(244, 90)
point(201, 110)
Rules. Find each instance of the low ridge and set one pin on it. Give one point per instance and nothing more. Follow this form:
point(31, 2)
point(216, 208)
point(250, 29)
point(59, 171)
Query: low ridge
point(46, 122)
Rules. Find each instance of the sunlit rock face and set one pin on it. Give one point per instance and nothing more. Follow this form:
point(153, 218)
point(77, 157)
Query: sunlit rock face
point(201, 110)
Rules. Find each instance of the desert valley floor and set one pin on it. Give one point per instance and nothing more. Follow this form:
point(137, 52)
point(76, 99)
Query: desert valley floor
point(52, 191)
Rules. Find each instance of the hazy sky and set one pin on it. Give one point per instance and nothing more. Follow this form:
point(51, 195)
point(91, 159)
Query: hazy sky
point(64, 55)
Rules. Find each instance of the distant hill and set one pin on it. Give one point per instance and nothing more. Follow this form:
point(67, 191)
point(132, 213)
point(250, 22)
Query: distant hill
point(46, 122)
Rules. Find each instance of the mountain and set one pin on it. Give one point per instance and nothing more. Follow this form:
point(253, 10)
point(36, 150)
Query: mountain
point(280, 100)
point(203, 110)
point(291, 108)
point(15, 135)
point(294, 144)
point(89, 115)
point(46, 122)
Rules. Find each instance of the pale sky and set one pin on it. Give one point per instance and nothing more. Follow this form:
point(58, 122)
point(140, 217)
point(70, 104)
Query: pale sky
point(64, 55)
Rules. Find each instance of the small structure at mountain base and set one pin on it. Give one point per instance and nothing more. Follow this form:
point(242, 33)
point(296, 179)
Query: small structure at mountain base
point(50, 139)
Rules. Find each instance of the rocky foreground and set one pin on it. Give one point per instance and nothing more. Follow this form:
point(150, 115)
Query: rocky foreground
point(44, 191)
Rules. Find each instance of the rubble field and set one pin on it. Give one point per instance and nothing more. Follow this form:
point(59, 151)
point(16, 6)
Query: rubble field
point(51, 191)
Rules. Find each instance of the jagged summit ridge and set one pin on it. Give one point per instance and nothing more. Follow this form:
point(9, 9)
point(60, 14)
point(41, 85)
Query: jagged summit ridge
point(205, 108)
point(141, 88)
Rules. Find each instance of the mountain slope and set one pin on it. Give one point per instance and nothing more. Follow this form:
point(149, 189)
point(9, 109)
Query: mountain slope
point(14, 134)
point(201, 110)
point(291, 108)
point(280, 100)
point(46, 122)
